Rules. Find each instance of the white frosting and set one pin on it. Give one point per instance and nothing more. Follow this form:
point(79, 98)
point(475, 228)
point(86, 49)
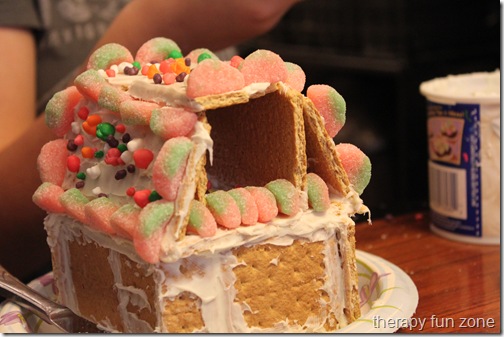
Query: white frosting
point(213, 283)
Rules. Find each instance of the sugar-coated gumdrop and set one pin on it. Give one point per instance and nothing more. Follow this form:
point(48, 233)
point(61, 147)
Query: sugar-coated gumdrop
point(107, 55)
point(169, 122)
point(296, 77)
point(47, 197)
point(147, 238)
point(195, 54)
point(318, 193)
point(90, 84)
point(98, 213)
point(286, 195)
point(125, 221)
point(52, 161)
point(59, 112)
point(266, 203)
point(156, 50)
point(135, 112)
point(73, 202)
point(111, 98)
point(201, 220)
point(212, 77)
point(330, 104)
point(356, 164)
point(263, 66)
point(246, 205)
point(169, 166)
point(224, 209)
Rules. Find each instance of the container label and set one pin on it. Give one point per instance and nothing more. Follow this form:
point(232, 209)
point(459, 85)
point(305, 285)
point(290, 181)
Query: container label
point(454, 167)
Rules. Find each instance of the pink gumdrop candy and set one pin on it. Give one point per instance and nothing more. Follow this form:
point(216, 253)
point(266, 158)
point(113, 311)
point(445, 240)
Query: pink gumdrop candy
point(224, 209)
point(330, 104)
point(73, 202)
point(266, 203)
point(107, 55)
point(47, 197)
point(147, 238)
point(212, 77)
point(169, 122)
point(201, 220)
point(356, 164)
point(286, 195)
point(194, 54)
point(169, 166)
point(296, 77)
point(246, 204)
point(155, 50)
point(59, 112)
point(263, 66)
point(136, 112)
point(90, 84)
point(52, 161)
point(318, 193)
point(125, 221)
point(98, 212)
point(111, 98)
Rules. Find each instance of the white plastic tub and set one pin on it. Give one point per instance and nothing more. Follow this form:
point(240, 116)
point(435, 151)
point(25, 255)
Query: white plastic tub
point(463, 125)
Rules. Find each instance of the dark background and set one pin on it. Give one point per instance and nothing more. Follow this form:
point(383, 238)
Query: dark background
point(376, 53)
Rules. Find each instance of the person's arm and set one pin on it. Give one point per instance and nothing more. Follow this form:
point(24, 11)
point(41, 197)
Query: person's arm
point(17, 83)
point(215, 24)
point(23, 246)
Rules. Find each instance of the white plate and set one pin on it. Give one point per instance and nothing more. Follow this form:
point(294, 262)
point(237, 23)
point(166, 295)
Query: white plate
point(388, 300)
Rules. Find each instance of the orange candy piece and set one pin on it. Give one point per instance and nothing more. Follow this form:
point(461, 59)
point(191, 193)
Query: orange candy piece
point(90, 124)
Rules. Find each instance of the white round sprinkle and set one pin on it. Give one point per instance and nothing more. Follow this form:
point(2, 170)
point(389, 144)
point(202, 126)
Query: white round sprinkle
point(97, 190)
point(127, 157)
point(93, 172)
point(135, 144)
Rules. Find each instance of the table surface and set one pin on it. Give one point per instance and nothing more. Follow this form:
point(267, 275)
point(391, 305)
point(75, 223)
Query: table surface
point(458, 283)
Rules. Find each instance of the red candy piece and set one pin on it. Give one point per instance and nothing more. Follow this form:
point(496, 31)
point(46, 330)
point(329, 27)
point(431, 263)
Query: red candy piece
point(73, 163)
point(142, 197)
point(52, 161)
point(83, 113)
point(236, 61)
point(263, 66)
point(212, 77)
point(113, 157)
point(142, 158)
